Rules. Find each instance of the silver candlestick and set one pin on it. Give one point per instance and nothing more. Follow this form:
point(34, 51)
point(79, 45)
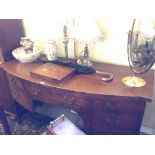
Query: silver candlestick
point(66, 40)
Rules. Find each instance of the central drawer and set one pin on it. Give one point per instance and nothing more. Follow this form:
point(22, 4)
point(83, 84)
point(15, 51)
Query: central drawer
point(69, 99)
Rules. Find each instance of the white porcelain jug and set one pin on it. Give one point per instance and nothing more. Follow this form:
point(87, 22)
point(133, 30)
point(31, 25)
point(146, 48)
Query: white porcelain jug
point(50, 50)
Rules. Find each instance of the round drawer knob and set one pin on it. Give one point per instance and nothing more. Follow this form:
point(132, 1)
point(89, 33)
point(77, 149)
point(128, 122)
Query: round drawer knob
point(35, 91)
point(70, 100)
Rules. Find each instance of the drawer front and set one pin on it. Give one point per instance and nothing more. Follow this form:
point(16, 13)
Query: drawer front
point(113, 104)
point(113, 122)
point(33, 90)
point(18, 92)
point(15, 83)
point(59, 96)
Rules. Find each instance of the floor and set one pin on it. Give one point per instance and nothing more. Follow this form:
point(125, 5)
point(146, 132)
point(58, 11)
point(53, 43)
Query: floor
point(36, 123)
point(31, 124)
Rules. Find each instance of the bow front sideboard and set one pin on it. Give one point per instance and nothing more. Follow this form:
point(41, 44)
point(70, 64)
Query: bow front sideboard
point(105, 107)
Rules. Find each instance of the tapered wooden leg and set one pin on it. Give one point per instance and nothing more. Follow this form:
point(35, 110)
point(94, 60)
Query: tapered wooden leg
point(4, 122)
point(17, 113)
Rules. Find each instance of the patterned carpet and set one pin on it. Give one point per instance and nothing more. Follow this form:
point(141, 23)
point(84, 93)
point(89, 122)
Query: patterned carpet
point(36, 123)
point(31, 124)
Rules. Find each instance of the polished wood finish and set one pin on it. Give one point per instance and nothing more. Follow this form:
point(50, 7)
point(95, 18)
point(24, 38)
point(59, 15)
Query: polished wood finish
point(106, 107)
point(11, 31)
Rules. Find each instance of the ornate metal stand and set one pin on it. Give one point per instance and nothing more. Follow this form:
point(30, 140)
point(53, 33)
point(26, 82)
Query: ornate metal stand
point(141, 55)
point(66, 40)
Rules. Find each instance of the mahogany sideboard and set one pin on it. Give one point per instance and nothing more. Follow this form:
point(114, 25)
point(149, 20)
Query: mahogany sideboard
point(105, 107)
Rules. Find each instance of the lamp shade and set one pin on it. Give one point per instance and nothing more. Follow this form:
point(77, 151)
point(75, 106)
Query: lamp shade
point(85, 31)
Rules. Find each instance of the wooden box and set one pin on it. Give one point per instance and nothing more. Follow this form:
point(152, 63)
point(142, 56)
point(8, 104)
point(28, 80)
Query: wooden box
point(63, 126)
point(53, 72)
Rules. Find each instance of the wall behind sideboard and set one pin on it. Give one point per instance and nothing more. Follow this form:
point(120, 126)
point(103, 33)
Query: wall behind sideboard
point(109, 50)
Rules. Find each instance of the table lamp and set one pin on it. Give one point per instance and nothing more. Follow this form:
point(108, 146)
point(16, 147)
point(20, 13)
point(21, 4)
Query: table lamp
point(85, 31)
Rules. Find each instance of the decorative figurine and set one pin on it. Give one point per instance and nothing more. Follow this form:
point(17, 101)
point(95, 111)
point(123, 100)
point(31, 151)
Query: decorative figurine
point(84, 58)
point(27, 44)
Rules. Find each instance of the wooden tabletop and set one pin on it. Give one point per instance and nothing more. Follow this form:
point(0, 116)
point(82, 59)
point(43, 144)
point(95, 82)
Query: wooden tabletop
point(89, 83)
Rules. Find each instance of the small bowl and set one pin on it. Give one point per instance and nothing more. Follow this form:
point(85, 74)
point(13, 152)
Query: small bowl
point(20, 55)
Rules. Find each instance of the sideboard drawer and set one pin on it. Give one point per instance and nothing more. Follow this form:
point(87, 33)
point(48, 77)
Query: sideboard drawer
point(70, 99)
point(114, 104)
point(15, 83)
point(18, 91)
point(113, 121)
point(59, 96)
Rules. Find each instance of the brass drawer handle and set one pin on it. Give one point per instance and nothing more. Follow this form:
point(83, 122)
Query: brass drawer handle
point(113, 106)
point(13, 81)
point(109, 105)
point(111, 123)
point(118, 106)
point(35, 91)
point(69, 100)
point(55, 91)
point(17, 94)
